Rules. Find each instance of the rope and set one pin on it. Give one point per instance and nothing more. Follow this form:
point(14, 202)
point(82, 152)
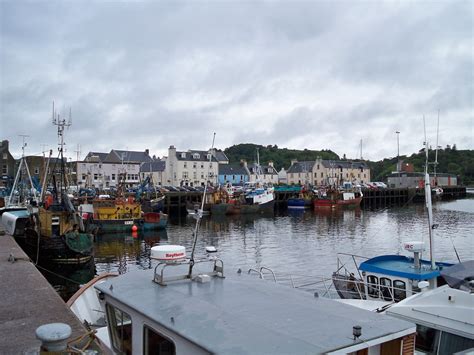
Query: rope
point(58, 275)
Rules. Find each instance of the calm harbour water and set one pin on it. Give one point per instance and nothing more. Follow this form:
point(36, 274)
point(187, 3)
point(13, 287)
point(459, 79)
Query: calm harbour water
point(299, 243)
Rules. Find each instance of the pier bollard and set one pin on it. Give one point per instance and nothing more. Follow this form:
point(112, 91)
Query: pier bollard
point(53, 336)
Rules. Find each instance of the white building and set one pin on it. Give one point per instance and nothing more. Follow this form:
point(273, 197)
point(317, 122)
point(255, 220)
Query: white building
point(102, 170)
point(193, 167)
point(328, 172)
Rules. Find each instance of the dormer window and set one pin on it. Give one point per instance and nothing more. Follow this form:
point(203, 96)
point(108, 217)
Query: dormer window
point(183, 155)
point(209, 156)
point(196, 156)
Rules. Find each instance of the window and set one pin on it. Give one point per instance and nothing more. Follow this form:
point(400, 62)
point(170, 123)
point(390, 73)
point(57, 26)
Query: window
point(225, 177)
point(373, 286)
point(322, 175)
point(194, 175)
point(156, 344)
point(120, 329)
point(202, 166)
point(5, 156)
point(399, 290)
point(451, 343)
point(185, 165)
point(95, 176)
point(317, 167)
point(386, 288)
point(183, 155)
point(426, 338)
point(194, 165)
point(196, 156)
point(84, 177)
point(113, 176)
point(185, 174)
point(5, 169)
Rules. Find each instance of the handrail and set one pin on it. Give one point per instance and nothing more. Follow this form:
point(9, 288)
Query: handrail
point(255, 270)
point(266, 268)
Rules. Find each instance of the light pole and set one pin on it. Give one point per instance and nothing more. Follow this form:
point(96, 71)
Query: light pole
point(398, 156)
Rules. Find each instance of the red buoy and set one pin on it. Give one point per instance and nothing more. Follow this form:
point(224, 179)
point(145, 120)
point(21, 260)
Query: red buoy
point(134, 228)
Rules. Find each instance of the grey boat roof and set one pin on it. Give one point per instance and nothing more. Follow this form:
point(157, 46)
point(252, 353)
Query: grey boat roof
point(242, 314)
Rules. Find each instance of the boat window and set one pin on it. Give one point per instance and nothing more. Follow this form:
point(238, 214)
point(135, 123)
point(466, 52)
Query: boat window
point(451, 343)
point(399, 290)
point(386, 288)
point(426, 339)
point(120, 329)
point(156, 344)
point(373, 286)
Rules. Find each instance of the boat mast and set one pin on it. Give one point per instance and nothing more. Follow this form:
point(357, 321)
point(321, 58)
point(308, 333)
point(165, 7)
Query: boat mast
point(62, 124)
point(436, 154)
point(429, 205)
point(199, 214)
point(17, 177)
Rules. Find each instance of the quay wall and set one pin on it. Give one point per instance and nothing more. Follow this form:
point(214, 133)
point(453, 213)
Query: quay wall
point(28, 301)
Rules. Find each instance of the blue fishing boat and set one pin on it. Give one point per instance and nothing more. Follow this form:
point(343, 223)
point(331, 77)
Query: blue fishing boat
point(392, 277)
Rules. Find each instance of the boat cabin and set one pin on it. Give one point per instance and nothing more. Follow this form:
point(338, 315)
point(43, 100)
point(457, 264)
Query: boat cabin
point(396, 277)
point(164, 311)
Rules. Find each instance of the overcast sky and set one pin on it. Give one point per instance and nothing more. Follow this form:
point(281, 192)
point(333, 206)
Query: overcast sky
point(312, 74)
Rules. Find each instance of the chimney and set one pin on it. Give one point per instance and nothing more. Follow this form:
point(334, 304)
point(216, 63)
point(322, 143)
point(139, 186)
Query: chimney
point(147, 151)
point(5, 144)
point(270, 163)
point(243, 162)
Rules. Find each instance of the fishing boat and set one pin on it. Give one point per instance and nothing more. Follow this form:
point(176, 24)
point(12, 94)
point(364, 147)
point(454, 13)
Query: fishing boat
point(114, 215)
point(255, 197)
point(54, 231)
point(392, 277)
point(332, 197)
point(303, 201)
point(257, 200)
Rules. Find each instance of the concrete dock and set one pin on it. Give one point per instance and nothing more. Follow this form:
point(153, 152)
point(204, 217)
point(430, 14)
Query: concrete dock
point(27, 301)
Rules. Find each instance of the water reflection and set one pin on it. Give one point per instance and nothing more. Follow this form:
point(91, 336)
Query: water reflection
point(298, 242)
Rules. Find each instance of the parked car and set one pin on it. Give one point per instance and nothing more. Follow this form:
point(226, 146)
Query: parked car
point(380, 185)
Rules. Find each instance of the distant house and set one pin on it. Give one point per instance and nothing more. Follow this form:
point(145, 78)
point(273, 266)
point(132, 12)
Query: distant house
point(156, 170)
point(328, 172)
point(282, 176)
point(7, 164)
point(263, 173)
point(300, 173)
point(235, 174)
point(193, 167)
point(106, 170)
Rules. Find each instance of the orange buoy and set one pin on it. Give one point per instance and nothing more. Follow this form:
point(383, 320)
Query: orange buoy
point(134, 228)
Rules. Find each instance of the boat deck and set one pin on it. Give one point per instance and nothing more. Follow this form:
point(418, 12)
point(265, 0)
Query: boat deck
point(241, 314)
point(28, 301)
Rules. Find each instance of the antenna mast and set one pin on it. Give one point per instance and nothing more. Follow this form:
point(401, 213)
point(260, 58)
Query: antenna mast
point(436, 154)
point(62, 124)
point(199, 214)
